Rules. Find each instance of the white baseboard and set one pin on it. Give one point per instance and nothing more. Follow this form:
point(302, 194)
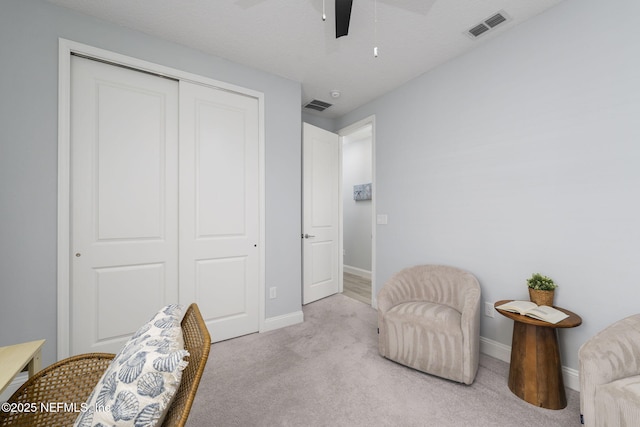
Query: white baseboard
point(571, 378)
point(503, 352)
point(357, 271)
point(495, 349)
point(277, 322)
point(15, 384)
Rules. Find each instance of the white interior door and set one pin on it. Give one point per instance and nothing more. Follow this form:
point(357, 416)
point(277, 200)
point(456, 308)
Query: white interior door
point(322, 266)
point(124, 211)
point(219, 190)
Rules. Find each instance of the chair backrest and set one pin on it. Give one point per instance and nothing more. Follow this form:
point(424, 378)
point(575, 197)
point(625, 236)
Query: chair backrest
point(198, 342)
point(434, 283)
point(448, 285)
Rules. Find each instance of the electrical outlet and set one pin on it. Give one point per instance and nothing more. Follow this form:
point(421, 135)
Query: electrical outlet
point(488, 309)
point(272, 292)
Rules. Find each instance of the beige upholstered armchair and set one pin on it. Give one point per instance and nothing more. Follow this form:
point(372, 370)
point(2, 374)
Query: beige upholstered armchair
point(609, 366)
point(429, 320)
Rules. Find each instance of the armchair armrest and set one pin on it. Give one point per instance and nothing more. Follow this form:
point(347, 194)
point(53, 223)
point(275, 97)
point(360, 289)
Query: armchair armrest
point(612, 354)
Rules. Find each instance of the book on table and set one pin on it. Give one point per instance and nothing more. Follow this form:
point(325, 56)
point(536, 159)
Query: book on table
point(531, 309)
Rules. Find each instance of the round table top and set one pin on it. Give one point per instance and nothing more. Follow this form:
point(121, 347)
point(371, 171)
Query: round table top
point(570, 322)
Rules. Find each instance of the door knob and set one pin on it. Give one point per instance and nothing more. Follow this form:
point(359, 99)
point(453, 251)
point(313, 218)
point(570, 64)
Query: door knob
point(306, 236)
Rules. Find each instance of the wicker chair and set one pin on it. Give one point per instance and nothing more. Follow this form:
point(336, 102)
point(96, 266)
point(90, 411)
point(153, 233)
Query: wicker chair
point(73, 379)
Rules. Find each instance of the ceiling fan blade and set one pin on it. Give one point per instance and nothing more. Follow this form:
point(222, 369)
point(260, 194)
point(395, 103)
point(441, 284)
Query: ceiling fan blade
point(343, 16)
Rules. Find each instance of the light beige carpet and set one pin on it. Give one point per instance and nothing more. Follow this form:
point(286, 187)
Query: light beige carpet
point(327, 372)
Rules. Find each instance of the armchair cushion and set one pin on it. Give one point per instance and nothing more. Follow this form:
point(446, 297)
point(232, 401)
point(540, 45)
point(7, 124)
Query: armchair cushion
point(618, 403)
point(412, 326)
point(137, 388)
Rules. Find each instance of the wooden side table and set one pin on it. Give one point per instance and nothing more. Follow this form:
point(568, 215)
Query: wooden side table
point(14, 359)
point(535, 373)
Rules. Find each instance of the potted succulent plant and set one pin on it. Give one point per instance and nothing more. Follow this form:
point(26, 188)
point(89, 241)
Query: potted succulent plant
point(541, 289)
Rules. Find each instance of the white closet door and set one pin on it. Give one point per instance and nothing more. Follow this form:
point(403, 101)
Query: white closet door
point(219, 201)
point(124, 213)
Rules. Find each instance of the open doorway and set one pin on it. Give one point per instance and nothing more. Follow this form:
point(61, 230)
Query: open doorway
point(358, 210)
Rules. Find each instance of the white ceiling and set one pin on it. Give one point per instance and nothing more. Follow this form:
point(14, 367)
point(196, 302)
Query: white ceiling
point(289, 38)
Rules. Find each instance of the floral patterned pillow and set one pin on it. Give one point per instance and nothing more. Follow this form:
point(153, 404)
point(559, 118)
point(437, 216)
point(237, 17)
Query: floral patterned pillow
point(141, 381)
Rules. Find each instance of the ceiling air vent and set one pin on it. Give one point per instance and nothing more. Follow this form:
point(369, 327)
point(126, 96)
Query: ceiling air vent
point(478, 29)
point(496, 19)
point(488, 24)
point(318, 105)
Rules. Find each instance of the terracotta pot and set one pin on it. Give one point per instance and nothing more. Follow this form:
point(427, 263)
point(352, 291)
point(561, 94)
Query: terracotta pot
point(541, 297)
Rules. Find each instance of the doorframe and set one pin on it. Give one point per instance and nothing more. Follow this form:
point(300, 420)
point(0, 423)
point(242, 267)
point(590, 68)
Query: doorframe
point(343, 132)
point(65, 49)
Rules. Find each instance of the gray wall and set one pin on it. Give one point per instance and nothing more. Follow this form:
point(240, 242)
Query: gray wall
point(318, 121)
point(29, 32)
point(522, 156)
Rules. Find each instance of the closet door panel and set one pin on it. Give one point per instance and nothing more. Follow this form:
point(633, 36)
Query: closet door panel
point(221, 169)
point(124, 204)
point(219, 200)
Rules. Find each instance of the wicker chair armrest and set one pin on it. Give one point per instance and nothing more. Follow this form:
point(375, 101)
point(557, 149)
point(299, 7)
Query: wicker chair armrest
point(54, 396)
point(198, 342)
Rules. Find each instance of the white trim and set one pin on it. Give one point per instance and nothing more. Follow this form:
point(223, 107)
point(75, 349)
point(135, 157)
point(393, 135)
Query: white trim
point(502, 352)
point(495, 349)
point(365, 274)
point(262, 208)
point(571, 378)
point(340, 220)
point(277, 322)
point(65, 49)
point(64, 182)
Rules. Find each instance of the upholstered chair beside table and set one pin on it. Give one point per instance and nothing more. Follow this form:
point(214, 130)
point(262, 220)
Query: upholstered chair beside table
point(429, 320)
